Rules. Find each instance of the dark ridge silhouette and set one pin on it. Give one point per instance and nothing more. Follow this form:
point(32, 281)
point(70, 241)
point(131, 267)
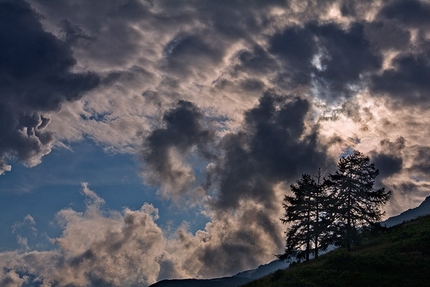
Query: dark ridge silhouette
point(421, 210)
point(233, 281)
point(225, 282)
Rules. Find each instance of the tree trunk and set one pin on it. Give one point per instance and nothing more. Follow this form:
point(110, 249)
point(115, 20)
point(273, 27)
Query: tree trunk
point(317, 219)
point(308, 238)
point(348, 228)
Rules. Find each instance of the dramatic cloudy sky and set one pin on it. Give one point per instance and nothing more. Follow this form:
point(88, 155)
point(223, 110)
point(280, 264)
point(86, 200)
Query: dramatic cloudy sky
point(142, 140)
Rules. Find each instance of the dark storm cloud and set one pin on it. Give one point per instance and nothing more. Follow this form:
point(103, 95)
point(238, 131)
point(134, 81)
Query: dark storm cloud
point(422, 161)
point(387, 164)
point(330, 56)
point(296, 46)
point(255, 61)
point(74, 35)
point(184, 129)
point(349, 55)
point(252, 85)
point(271, 147)
point(409, 12)
point(387, 35)
point(389, 161)
point(408, 81)
point(35, 77)
point(185, 52)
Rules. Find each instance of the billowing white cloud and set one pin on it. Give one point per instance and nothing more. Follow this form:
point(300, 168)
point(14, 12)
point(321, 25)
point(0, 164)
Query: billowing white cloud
point(99, 247)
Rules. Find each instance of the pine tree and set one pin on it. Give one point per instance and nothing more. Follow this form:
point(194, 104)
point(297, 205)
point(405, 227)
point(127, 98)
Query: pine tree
point(357, 203)
point(304, 211)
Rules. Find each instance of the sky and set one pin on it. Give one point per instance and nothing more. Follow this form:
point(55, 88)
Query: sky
point(144, 140)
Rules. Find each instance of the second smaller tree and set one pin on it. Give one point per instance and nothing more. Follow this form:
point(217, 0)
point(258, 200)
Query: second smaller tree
point(304, 211)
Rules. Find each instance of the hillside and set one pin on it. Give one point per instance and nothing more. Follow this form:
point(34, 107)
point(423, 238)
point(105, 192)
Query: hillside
point(398, 256)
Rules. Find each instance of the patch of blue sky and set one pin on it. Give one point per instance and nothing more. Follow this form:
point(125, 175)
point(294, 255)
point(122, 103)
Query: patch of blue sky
point(55, 184)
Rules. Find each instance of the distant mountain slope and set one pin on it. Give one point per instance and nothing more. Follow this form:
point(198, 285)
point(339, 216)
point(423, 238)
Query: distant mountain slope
point(421, 210)
point(263, 270)
point(233, 281)
point(218, 282)
point(398, 256)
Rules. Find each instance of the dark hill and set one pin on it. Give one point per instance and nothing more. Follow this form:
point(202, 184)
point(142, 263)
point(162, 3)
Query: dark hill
point(397, 256)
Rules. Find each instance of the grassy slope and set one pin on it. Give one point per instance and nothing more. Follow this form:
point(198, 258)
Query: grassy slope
point(400, 256)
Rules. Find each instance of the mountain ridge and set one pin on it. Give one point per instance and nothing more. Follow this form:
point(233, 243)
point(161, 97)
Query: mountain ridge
point(410, 214)
point(228, 281)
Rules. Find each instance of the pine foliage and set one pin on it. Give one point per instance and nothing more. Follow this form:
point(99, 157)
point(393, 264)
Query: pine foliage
point(321, 212)
point(304, 210)
point(358, 204)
